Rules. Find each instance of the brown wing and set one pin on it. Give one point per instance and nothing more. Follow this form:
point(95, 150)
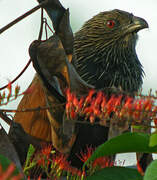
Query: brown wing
point(50, 60)
point(47, 125)
point(35, 123)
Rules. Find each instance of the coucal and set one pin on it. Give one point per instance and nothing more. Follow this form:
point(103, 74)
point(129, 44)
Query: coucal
point(103, 55)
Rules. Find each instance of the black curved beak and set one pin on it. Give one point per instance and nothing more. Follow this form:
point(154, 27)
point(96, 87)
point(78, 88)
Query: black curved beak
point(137, 24)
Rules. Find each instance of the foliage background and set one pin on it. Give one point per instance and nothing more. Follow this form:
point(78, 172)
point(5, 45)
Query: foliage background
point(14, 43)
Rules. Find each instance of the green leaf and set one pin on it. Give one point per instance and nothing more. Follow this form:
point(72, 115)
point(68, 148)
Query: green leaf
point(30, 153)
point(153, 140)
point(5, 162)
point(127, 142)
point(151, 171)
point(116, 173)
point(139, 127)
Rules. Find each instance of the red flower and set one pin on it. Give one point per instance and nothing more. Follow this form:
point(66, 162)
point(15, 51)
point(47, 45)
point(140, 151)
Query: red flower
point(117, 103)
point(139, 168)
point(128, 103)
point(75, 171)
point(8, 173)
point(39, 178)
point(75, 101)
point(103, 104)
point(46, 150)
point(9, 87)
point(155, 121)
point(89, 97)
point(128, 106)
point(43, 157)
point(137, 109)
point(148, 104)
point(98, 106)
point(92, 118)
point(110, 105)
point(17, 90)
point(103, 162)
point(99, 98)
point(41, 161)
point(80, 104)
point(73, 114)
point(84, 156)
point(69, 95)
point(83, 174)
point(61, 162)
point(88, 110)
point(96, 112)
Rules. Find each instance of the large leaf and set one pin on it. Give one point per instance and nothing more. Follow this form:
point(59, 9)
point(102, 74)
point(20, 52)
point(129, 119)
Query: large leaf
point(128, 142)
point(116, 173)
point(151, 172)
point(153, 140)
point(5, 162)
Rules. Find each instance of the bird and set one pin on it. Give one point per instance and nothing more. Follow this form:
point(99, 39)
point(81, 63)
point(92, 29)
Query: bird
point(105, 51)
point(104, 55)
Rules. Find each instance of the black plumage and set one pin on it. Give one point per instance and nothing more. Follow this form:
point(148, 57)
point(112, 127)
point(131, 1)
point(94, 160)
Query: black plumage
point(105, 56)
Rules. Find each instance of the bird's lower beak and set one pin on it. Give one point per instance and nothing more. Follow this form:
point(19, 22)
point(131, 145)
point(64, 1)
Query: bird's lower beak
point(137, 24)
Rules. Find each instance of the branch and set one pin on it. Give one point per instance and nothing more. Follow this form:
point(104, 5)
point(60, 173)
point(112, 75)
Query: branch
point(23, 16)
point(5, 118)
point(17, 77)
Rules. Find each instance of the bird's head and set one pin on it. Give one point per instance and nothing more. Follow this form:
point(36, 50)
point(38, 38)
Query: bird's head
point(105, 53)
point(112, 25)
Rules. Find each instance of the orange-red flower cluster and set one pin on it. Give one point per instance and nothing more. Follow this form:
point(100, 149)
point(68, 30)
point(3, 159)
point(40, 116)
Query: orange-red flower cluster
point(9, 173)
point(61, 163)
point(120, 107)
point(100, 162)
point(56, 164)
point(44, 155)
point(5, 98)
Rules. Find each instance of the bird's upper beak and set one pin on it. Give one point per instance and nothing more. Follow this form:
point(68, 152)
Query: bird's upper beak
point(137, 24)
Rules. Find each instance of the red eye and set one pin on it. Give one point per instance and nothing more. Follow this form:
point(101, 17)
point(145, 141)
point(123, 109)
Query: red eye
point(110, 23)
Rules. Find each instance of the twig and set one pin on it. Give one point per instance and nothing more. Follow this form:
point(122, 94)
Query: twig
point(29, 109)
point(25, 110)
point(5, 118)
point(23, 16)
point(47, 25)
point(41, 26)
point(17, 77)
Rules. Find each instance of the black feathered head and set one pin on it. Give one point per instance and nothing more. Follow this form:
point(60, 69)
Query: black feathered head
point(104, 51)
